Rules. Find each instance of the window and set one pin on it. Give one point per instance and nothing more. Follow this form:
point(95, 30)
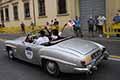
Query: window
point(2, 15)
point(41, 7)
point(62, 7)
point(7, 14)
point(26, 10)
point(15, 12)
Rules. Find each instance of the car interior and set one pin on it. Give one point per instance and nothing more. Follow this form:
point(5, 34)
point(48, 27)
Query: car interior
point(30, 39)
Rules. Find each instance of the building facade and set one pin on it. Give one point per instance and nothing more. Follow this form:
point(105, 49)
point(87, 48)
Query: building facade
point(13, 12)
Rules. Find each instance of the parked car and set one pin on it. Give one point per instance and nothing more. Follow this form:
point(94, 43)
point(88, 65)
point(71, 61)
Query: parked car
point(68, 54)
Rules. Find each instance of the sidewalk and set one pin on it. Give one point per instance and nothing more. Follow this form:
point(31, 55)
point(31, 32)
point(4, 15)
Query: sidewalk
point(86, 36)
point(17, 29)
point(96, 37)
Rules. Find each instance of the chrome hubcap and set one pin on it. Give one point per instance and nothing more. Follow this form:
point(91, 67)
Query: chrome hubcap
point(51, 67)
point(10, 54)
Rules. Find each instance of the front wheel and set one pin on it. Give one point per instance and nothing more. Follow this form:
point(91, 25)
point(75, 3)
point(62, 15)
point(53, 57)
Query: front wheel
point(10, 54)
point(52, 68)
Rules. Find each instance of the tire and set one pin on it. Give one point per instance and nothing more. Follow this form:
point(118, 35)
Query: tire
point(11, 54)
point(106, 56)
point(52, 68)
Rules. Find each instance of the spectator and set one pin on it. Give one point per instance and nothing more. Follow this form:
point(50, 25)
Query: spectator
point(22, 27)
point(56, 24)
point(68, 28)
point(0, 25)
point(32, 25)
point(51, 23)
point(91, 23)
point(116, 19)
point(42, 39)
point(47, 25)
point(101, 22)
point(77, 27)
point(3, 25)
point(96, 23)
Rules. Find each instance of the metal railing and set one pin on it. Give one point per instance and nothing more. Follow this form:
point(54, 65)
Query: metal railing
point(111, 29)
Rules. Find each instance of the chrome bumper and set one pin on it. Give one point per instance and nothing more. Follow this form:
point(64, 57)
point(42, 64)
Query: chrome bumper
point(93, 65)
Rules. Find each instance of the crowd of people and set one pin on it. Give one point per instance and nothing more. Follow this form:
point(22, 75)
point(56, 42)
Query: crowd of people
point(53, 33)
point(95, 25)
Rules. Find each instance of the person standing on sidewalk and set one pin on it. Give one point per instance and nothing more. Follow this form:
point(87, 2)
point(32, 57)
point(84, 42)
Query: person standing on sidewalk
point(77, 27)
point(32, 25)
point(116, 20)
point(23, 27)
point(91, 24)
point(67, 29)
point(96, 24)
point(101, 23)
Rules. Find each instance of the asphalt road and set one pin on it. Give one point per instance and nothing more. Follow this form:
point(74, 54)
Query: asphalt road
point(19, 70)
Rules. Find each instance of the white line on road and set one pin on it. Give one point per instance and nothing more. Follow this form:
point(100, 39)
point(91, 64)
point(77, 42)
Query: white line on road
point(114, 59)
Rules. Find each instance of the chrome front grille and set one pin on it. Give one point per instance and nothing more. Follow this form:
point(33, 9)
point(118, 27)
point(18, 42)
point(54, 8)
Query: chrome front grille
point(96, 54)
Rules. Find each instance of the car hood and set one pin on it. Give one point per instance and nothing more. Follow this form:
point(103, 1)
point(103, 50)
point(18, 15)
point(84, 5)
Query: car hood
point(78, 45)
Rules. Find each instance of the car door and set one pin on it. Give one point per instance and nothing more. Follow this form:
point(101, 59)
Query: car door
point(30, 52)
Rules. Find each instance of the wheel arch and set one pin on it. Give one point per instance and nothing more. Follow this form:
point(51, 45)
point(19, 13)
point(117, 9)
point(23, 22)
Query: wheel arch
point(8, 48)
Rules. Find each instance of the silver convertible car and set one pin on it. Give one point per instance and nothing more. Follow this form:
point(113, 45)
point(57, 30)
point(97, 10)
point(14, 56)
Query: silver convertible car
point(67, 55)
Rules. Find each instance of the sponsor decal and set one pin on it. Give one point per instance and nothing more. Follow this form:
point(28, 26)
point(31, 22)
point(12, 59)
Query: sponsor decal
point(29, 53)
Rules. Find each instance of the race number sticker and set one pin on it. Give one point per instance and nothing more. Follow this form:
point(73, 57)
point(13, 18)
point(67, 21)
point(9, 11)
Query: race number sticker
point(29, 53)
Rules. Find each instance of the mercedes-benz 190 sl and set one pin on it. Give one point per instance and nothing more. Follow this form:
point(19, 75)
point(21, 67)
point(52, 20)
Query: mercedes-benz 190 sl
point(68, 54)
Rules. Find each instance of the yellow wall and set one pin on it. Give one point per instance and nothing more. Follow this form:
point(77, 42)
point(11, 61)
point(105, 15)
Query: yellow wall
point(112, 7)
point(73, 9)
point(51, 12)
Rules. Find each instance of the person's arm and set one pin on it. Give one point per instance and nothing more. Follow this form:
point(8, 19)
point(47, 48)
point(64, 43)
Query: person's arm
point(64, 27)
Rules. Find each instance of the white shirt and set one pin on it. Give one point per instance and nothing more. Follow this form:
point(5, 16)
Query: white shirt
point(101, 20)
point(70, 24)
point(42, 40)
point(54, 37)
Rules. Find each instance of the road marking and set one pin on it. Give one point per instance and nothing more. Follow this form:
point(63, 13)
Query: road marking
point(114, 58)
